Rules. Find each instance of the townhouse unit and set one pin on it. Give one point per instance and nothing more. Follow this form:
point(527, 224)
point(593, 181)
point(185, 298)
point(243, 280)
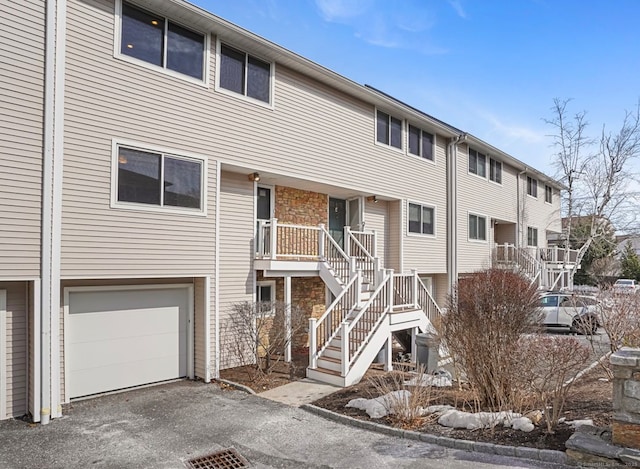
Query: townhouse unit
point(160, 165)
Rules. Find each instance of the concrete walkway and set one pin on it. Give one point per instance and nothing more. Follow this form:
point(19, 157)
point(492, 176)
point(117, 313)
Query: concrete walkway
point(301, 392)
point(162, 426)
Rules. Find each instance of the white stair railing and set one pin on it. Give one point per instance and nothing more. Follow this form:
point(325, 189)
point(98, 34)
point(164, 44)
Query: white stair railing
point(330, 251)
point(356, 332)
point(326, 327)
point(360, 245)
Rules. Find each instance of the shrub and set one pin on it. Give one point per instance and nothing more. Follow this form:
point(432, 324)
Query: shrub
point(487, 314)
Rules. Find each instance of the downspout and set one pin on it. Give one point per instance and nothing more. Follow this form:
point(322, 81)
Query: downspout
point(452, 210)
point(51, 210)
point(47, 212)
point(518, 216)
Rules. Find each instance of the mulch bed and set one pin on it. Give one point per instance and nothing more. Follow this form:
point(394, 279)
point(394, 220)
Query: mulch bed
point(590, 398)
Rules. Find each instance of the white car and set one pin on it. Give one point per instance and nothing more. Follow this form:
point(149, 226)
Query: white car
point(570, 312)
point(625, 285)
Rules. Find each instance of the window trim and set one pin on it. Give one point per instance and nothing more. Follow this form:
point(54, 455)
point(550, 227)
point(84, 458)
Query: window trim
point(274, 294)
point(166, 209)
point(117, 44)
point(244, 97)
point(536, 186)
point(402, 131)
point(421, 235)
point(501, 171)
point(547, 186)
point(486, 161)
point(537, 236)
point(486, 228)
point(420, 157)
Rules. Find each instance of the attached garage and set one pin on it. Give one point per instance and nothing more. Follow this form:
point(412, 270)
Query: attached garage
point(117, 337)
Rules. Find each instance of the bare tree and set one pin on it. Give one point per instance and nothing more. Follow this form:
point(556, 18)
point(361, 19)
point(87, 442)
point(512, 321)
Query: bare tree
point(596, 172)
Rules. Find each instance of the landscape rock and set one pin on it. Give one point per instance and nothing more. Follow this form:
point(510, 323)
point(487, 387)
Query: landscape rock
point(380, 406)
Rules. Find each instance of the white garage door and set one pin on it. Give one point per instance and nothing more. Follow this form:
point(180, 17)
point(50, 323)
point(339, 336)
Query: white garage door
point(121, 337)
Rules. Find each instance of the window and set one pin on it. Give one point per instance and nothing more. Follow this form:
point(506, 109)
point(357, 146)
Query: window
point(477, 227)
point(153, 178)
point(548, 194)
point(532, 187)
point(477, 163)
point(532, 236)
point(388, 130)
point(421, 219)
point(421, 143)
point(244, 74)
point(495, 171)
point(158, 41)
point(266, 297)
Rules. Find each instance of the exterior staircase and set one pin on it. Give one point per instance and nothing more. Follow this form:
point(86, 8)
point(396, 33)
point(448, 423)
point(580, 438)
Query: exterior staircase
point(370, 304)
point(548, 268)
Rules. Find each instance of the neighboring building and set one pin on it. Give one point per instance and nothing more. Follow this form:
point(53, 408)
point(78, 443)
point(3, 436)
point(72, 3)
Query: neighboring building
point(160, 164)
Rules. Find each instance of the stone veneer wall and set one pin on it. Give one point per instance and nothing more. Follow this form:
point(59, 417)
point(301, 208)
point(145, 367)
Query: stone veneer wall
point(308, 294)
point(299, 207)
point(625, 364)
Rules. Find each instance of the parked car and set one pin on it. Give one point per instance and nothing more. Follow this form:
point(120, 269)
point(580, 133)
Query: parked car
point(626, 285)
point(570, 312)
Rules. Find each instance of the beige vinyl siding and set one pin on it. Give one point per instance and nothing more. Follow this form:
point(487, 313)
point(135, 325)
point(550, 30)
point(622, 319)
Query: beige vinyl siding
point(313, 131)
point(236, 276)
point(539, 214)
point(394, 242)
point(480, 196)
point(100, 241)
point(16, 349)
point(440, 289)
point(377, 219)
point(22, 26)
point(427, 253)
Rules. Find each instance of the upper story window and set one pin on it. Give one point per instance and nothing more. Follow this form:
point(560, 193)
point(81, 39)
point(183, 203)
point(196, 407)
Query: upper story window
point(155, 40)
point(244, 74)
point(421, 143)
point(495, 171)
point(477, 163)
point(477, 227)
point(158, 179)
point(421, 219)
point(532, 236)
point(388, 130)
point(532, 186)
point(548, 194)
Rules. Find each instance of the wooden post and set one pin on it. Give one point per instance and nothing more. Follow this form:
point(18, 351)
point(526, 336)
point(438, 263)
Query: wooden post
point(414, 287)
point(321, 242)
point(347, 240)
point(344, 333)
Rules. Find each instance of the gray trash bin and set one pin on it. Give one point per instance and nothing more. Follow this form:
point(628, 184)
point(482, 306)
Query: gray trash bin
point(427, 351)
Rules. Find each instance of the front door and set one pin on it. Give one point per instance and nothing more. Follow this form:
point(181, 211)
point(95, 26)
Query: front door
point(337, 219)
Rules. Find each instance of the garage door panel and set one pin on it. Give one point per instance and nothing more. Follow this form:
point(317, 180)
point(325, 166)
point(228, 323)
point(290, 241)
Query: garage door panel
point(122, 338)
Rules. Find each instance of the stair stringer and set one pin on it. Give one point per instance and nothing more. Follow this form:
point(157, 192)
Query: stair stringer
point(327, 275)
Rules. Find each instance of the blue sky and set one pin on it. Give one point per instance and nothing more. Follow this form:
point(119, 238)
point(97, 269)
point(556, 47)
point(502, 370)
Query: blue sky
point(489, 67)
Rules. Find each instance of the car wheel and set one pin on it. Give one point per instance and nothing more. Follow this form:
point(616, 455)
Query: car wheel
point(585, 325)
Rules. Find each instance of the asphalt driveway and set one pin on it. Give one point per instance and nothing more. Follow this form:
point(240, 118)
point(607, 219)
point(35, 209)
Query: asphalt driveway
point(162, 426)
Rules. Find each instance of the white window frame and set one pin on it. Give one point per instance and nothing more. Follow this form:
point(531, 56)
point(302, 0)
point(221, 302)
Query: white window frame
point(486, 163)
point(407, 133)
point(536, 186)
point(267, 283)
point(548, 189)
point(486, 228)
point(422, 235)
point(402, 131)
point(537, 232)
point(117, 44)
point(501, 171)
point(116, 204)
point(244, 97)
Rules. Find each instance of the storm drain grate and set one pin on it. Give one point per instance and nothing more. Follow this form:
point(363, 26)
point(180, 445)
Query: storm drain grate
point(225, 459)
